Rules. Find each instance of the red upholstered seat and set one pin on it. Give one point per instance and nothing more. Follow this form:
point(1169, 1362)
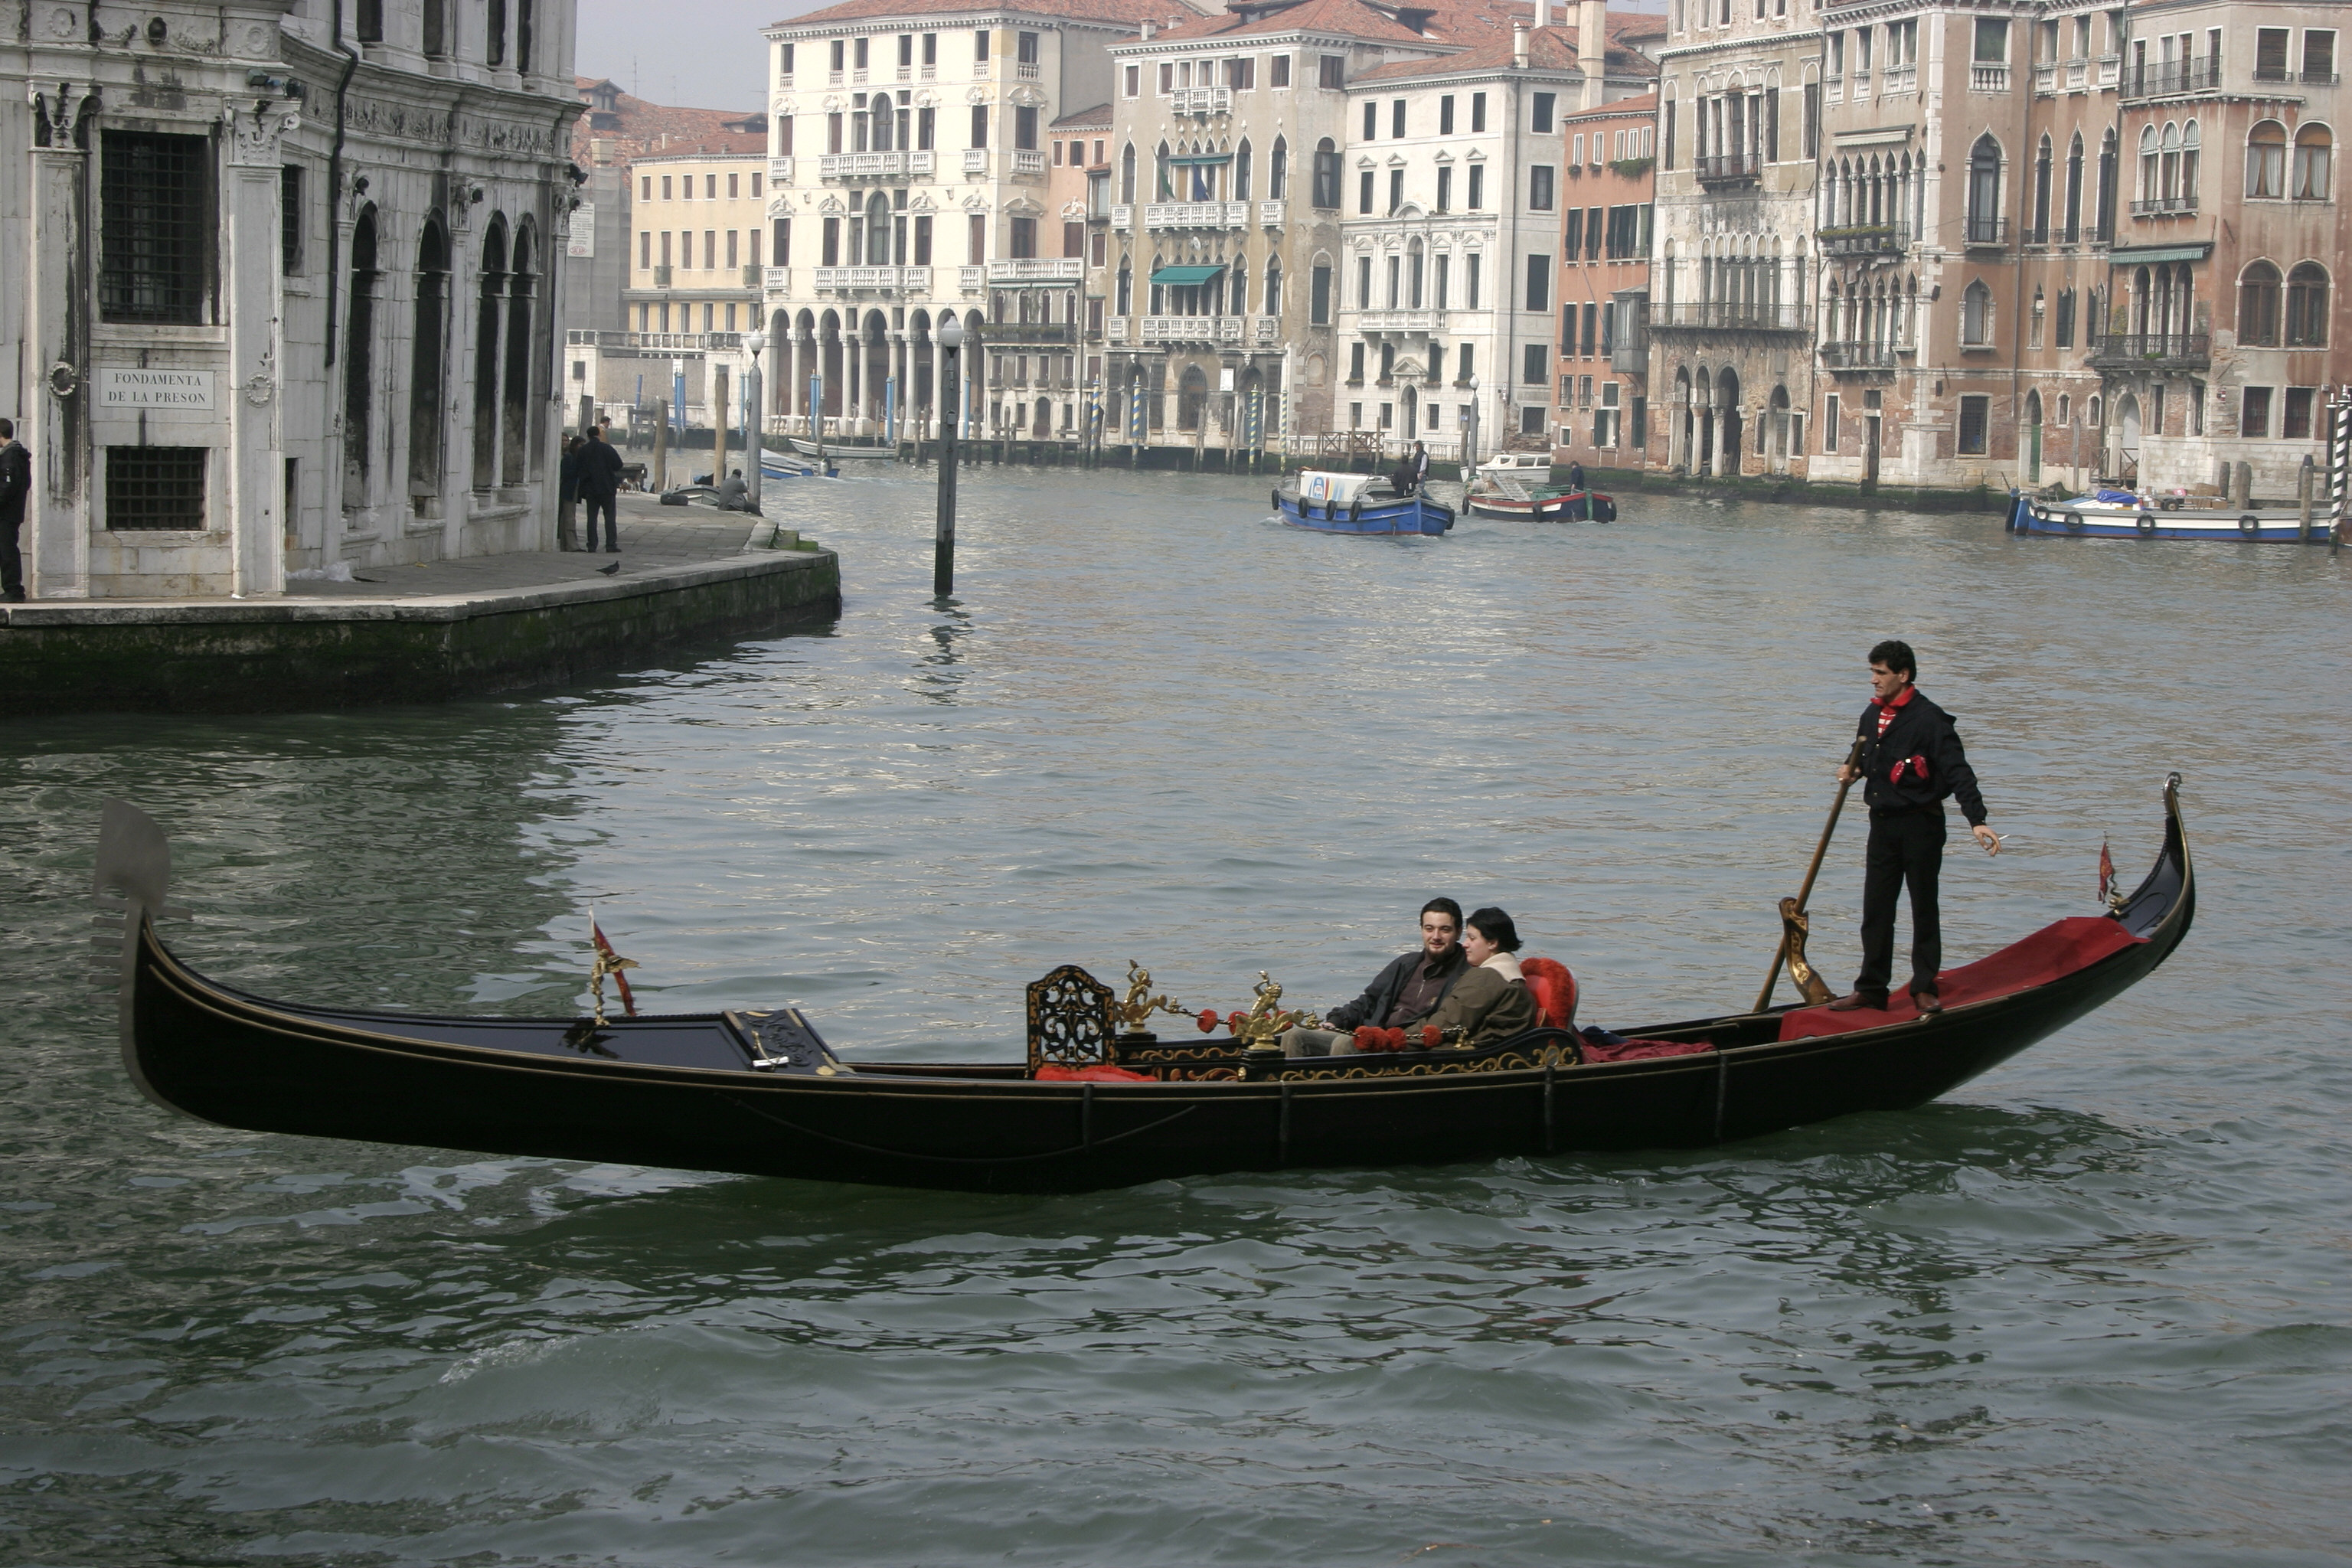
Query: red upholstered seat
point(1554, 990)
point(2052, 952)
point(1101, 1072)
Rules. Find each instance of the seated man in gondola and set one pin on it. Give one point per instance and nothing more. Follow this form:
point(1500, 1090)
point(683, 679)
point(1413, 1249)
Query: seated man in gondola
point(1407, 992)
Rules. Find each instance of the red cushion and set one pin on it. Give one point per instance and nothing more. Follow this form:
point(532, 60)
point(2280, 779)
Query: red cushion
point(1554, 990)
point(1641, 1050)
point(2052, 952)
point(1101, 1072)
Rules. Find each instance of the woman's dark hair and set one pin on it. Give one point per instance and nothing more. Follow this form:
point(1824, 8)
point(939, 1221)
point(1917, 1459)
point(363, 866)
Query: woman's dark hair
point(1896, 657)
point(1496, 927)
point(1444, 906)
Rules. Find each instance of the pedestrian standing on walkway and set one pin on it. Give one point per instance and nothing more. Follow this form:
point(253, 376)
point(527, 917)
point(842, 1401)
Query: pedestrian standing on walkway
point(1912, 759)
point(600, 484)
point(567, 525)
point(16, 485)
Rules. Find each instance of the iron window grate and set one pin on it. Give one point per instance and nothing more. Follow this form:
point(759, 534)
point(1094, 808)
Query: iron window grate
point(155, 487)
point(156, 216)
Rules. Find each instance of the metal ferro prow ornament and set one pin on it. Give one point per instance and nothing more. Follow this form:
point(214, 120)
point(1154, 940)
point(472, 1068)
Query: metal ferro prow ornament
point(606, 964)
point(1795, 926)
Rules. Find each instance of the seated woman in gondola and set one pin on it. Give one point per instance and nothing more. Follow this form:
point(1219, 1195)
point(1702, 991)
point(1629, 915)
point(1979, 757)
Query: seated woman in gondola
point(1490, 1002)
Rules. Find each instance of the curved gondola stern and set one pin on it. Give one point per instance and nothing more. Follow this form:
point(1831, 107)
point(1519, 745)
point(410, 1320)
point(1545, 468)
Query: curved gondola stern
point(132, 878)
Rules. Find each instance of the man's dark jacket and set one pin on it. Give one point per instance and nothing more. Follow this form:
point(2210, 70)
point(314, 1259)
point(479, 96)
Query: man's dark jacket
point(1373, 1006)
point(15, 480)
point(600, 469)
point(1917, 763)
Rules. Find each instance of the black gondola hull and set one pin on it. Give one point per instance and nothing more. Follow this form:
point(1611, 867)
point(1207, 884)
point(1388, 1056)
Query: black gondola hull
point(681, 1092)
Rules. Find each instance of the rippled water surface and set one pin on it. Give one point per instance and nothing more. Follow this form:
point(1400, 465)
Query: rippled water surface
point(2095, 1308)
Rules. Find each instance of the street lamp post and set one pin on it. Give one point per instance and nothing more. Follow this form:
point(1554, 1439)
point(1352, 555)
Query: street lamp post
point(951, 337)
point(1470, 449)
point(755, 344)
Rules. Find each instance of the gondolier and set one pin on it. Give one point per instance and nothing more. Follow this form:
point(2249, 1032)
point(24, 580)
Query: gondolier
point(1910, 759)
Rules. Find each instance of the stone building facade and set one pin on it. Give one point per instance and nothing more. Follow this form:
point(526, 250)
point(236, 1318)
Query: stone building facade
point(1730, 320)
point(276, 299)
point(908, 182)
point(2220, 339)
point(1601, 407)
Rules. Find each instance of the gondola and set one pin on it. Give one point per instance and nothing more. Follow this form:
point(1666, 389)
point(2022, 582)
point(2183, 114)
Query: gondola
point(1092, 1107)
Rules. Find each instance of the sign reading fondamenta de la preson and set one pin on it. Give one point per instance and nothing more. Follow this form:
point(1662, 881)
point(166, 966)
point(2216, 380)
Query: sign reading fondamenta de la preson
point(155, 389)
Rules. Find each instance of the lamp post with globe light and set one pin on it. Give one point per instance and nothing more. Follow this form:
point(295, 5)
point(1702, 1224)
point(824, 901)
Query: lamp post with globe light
point(1470, 446)
point(950, 339)
point(755, 344)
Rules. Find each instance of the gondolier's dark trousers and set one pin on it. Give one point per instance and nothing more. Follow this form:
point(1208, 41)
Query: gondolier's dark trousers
point(1906, 845)
point(596, 503)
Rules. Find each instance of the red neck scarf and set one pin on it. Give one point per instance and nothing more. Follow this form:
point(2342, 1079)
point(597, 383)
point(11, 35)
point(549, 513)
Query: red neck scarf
point(1886, 711)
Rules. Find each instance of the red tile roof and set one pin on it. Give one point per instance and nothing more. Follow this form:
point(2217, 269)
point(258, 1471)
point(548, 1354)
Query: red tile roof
point(1644, 107)
point(1131, 13)
point(1084, 119)
point(658, 130)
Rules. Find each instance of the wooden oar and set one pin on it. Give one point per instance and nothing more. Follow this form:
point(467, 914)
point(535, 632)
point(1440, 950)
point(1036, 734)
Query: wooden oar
point(1793, 910)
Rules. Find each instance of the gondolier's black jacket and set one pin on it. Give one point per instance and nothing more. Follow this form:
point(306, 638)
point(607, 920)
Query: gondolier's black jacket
point(1373, 1006)
point(1921, 729)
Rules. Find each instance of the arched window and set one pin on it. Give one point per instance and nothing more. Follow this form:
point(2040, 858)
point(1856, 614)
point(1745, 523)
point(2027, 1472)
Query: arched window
point(1160, 174)
point(424, 379)
point(1273, 285)
point(2147, 160)
point(1984, 191)
point(359, 363)
point(1976, 316)
point(1240, 286)
point(2307, 306)
point(1191, 398)
point(2143, 293)
point(2170, 185)
point(2312, 146)
point(2042, 170)
point(1125, 301)
point(2258, 306)
point(1326, 173)
point(486, 355)
point(2095, 421)
point(1277, 170)
point(2106, 210)
point(1242, 171)
point(2189, 145)
point(2075, 190)
point(1127, 175)
point(514, 405)
point(2266, 159)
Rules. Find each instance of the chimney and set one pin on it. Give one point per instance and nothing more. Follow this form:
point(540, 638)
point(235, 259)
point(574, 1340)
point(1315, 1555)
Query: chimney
point(1150, 27)
point(1592, 48)
point(1519, 46)
point(1543, 12)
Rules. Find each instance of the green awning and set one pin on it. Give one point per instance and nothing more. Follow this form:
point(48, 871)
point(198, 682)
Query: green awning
point(1202, 158)
point(1185, 275)
point(2129, 256)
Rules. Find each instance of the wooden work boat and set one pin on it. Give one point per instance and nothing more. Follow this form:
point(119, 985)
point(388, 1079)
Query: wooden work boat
point(843, 447)
point(2090, 517)
point(1359, 503)
point(760, 1093)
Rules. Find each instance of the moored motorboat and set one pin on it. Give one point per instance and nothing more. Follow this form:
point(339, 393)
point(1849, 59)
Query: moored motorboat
point(1516, 485)
point(1358, 503)
point(2124, 514)
point(1093, 1104)
point(843, 447)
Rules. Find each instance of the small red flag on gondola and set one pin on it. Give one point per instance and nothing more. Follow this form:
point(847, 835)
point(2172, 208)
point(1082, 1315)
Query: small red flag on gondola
point(612, 964)
point(2107, 873)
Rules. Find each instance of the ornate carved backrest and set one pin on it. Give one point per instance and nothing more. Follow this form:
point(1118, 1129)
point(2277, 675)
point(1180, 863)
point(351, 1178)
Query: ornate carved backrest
point(1070, 1021)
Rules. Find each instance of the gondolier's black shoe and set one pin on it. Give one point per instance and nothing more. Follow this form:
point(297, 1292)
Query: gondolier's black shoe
point(1856, 1001)
point(1928, 1001)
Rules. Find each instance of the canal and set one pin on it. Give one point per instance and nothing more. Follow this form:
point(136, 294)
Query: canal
point(2093, 1308)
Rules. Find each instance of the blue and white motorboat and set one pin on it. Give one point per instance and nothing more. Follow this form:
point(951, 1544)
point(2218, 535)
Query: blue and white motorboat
point(2127, 514)
point(779, 466)
point(1358, 503)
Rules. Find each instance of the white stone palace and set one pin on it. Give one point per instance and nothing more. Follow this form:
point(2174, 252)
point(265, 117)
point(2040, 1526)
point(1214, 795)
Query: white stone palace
point(278, 285)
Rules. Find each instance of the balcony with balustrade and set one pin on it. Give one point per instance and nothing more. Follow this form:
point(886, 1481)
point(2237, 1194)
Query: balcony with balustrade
point(1038, 269)
point(1381, 323)
point(1030, 335)
point(1192, 214)
point(1858, 356)
point(2175, 206)
point(1719, 169)
point(653, 342)
point(1028, 164)
point(1726, 315)
point(1270, 214)
point(2152, 351)
point(1867, 239)
point(874, 165)
point(1978, 232)
point(1986, 77)
point(2172, 78)
point(1122, 219)
point(779, 171)
point(873, 279)
point(776, 279)
point(1202, 100)
point(1203, 330)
